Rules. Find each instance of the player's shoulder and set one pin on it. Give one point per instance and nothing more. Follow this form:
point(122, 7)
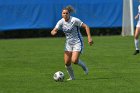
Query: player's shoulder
point(74, 18)
point(60, 21)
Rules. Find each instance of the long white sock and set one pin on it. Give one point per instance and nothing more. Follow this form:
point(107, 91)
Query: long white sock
point(81, 64)
point(70, 71)
point(137, 44)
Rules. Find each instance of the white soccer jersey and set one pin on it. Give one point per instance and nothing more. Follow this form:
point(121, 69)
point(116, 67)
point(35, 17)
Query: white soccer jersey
point(139, 12)
point(71, 30)
point(138, 22)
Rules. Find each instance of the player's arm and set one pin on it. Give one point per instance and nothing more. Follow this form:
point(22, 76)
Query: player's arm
point(56, 28)
point(90, 41)
point(54, 31)
point(137, 16)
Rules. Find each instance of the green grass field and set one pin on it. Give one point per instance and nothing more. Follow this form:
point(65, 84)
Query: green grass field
point(28, 65)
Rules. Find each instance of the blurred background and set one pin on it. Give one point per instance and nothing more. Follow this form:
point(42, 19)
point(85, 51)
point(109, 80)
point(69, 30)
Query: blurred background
point(36, 18)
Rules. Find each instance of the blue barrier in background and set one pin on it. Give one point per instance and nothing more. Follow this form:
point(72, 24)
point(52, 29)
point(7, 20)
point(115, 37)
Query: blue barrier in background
point(36, 14)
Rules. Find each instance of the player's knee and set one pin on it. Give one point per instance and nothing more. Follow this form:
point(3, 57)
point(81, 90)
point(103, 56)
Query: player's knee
point(75, 61)
point(67, 63)
point(136, 36)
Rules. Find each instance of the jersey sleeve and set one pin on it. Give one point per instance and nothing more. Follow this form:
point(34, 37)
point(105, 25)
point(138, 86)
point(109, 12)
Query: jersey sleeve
point(139, 9)
point(59, 25)
point(78, 22)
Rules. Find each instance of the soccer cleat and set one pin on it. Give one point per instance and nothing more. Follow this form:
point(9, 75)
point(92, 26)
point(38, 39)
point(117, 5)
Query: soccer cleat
point(136, 52)
point(69, 79)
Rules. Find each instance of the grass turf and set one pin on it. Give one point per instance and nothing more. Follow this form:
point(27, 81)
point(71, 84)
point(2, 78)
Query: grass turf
point(28, 65)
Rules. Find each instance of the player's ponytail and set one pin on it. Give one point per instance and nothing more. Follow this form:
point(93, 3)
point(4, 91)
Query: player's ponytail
point(70, 9)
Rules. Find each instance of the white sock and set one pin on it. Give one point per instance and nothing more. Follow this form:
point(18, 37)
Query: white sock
point(70, 71)
point(137, 44)
point(81, 64)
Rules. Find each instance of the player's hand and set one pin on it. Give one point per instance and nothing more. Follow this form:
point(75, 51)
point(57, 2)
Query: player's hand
point(90, 41)
point(53, 32)
point(136, 17)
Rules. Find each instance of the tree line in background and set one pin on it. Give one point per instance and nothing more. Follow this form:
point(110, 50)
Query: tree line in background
point(35, 33)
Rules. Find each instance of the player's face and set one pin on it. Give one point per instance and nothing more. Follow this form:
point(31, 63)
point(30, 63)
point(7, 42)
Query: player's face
point(65, 15)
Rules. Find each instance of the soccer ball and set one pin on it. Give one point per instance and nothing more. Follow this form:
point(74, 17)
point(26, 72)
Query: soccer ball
point(58, 76)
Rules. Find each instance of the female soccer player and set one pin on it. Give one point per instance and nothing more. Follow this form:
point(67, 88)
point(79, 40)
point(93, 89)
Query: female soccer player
point(74, 41)
point(137, 32)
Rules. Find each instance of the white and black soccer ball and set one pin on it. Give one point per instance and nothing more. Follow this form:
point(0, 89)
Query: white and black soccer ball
point(58, 76)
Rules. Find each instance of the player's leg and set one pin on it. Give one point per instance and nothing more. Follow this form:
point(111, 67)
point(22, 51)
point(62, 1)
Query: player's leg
point(67, 60)
point(75, 59)
point(136, 40)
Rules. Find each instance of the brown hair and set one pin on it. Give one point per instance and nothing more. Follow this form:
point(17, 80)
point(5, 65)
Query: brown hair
point(70, 9)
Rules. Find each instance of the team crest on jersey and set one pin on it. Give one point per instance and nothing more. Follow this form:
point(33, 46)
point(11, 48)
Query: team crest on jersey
point(68, 27)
